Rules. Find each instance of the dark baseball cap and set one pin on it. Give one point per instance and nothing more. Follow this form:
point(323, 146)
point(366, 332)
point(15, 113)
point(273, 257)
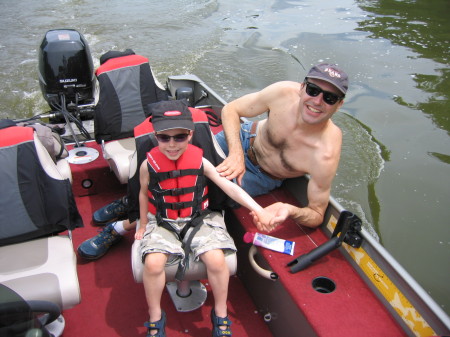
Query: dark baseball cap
point(168, 115)
point(330, 73)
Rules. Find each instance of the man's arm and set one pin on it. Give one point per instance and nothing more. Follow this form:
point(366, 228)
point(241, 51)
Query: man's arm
point(318, 192)
point(263, 219)
point(250, 105)
point(309, 216)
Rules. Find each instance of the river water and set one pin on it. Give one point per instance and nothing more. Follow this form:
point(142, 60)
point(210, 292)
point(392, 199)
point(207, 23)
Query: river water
point(395, 166)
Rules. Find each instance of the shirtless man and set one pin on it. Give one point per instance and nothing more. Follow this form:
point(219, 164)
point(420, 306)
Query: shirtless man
point(297, 138)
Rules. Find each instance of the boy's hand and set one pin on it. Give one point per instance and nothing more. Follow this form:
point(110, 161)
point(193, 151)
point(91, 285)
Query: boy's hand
point(139, 233)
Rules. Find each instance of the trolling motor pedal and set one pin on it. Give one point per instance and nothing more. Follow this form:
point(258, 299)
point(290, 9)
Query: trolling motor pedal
point(348, 226)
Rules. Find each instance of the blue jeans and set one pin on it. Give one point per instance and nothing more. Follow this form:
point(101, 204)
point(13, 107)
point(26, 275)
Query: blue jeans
point(254, 182)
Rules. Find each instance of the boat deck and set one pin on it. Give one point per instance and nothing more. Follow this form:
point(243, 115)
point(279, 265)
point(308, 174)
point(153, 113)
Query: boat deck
point(114, 305)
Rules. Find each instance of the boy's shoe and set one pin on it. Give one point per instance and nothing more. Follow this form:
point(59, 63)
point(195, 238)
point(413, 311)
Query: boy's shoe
point(96, 247)
point(158, 325)
point(117, 210)
point(217, 322)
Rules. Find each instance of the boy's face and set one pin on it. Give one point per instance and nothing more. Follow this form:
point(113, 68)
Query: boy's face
point(174, 146)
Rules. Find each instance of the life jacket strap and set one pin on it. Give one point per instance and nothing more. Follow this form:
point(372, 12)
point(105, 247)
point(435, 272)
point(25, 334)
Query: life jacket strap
point(195, 221)
point(173, 191)
point(160, 176)
point(178, 205)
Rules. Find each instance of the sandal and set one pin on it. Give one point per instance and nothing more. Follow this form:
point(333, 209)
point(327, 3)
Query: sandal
point(158, 325)
point(220, 321)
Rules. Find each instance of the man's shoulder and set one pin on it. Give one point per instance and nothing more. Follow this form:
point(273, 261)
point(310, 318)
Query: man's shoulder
point(285, 85)
point(281, 91)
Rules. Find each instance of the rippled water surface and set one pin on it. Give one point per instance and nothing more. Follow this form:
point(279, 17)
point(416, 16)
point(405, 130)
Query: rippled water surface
point(395, 165)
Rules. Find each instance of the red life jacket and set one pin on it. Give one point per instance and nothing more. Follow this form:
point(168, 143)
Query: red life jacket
point(203, 138)
point(177, 189)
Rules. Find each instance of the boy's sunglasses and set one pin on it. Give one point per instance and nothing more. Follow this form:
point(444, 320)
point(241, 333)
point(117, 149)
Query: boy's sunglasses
point(314, 90)
point(179, 138)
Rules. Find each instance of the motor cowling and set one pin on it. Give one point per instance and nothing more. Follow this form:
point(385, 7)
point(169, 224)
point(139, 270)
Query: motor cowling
point(66, 68)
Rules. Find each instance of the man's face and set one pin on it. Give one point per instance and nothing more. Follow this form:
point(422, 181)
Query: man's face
point(315, 109)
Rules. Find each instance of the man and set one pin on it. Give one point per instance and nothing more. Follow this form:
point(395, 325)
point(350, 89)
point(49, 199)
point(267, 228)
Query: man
point(297, 138)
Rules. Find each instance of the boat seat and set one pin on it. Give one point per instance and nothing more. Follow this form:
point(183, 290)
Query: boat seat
point(118, 154)
point(64, 168)
point(189, 294)
point(43, 270)
point(36, 262)
point(126, 87)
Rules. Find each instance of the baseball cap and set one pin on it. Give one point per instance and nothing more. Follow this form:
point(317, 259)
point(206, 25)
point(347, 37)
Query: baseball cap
point(168, 115)
point(330, 73)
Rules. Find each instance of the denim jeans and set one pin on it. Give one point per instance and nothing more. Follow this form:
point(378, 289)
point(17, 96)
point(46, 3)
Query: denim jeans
point(254, 182)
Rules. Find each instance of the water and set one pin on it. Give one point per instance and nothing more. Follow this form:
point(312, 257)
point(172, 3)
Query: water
point(395, 165)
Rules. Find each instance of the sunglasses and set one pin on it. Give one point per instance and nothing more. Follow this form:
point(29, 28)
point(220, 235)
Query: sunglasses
point(179, 138)
point(314, 90)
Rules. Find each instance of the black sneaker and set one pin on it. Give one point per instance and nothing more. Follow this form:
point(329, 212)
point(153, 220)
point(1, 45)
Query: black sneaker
point(96, 247)
point(117, 210)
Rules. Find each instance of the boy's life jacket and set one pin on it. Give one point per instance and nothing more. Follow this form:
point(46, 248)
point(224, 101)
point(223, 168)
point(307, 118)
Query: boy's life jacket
point(126, 87)
point(37, 202)
point(177, 189)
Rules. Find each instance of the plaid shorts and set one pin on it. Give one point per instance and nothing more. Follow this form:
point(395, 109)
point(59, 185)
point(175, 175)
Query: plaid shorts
point(211, 235)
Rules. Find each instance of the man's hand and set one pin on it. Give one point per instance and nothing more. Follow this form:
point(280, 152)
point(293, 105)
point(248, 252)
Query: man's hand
point(263, 220)
point(233, 166)
point(277, 213)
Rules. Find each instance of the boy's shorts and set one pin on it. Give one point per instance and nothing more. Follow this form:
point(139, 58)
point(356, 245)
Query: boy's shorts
point(211, 235)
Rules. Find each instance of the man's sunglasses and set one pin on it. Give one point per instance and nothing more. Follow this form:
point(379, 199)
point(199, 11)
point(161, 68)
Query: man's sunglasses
point(314, 90)
point(179, 138)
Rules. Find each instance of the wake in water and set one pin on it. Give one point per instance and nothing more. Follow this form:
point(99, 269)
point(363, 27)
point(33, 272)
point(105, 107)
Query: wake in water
point(363, 159)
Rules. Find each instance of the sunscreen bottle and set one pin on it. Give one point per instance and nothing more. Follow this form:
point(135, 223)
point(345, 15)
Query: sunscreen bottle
point(270, 242)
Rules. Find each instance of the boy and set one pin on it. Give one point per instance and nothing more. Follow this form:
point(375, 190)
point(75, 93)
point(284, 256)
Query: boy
point(173, 199)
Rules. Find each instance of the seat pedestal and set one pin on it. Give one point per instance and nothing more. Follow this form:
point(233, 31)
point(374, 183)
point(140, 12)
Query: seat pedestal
point(187, 295)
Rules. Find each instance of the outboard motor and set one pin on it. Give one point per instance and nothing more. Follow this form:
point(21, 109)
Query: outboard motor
point(66, 71)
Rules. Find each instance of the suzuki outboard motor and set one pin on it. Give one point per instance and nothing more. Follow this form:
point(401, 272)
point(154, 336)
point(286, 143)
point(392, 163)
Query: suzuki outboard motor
point(66, 71)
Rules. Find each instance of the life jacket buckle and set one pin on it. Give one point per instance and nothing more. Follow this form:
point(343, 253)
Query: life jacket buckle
point(175, 173)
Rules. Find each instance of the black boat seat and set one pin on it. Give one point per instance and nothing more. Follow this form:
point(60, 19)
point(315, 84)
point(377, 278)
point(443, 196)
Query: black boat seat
point(36, 205)
point(127, 85)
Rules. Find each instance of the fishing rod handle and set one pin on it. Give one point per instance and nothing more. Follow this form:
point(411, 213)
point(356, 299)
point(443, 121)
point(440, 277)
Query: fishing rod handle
point(305, 260)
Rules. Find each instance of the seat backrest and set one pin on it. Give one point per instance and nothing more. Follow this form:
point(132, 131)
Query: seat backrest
point(127, 86)
point(37, 201)
point(203, 138)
